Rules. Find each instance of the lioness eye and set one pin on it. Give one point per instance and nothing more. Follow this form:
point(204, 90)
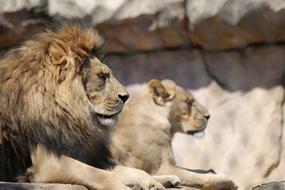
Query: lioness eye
point(190, 102)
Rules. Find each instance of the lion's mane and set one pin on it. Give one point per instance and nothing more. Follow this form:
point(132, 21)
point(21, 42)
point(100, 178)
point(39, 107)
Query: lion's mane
point(43, 101)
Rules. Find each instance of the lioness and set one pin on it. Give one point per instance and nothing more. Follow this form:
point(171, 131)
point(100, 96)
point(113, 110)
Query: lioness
point(57, 102)
point(142, 138)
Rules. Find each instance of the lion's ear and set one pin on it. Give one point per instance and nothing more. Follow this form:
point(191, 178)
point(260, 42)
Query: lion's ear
point(57, 52)
point(159, 93)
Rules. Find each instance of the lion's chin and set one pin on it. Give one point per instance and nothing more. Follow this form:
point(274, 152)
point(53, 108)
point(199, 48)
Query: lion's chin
point(108, 121)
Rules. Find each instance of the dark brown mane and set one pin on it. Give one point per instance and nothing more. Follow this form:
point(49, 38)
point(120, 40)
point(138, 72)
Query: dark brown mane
point(43, 102)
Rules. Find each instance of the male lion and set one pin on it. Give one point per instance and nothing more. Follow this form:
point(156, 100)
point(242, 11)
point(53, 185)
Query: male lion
point(57, 101)
point(143, 135)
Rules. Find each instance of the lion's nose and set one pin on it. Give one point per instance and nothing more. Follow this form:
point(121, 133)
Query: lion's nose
point(124, 97)
point(207, 116)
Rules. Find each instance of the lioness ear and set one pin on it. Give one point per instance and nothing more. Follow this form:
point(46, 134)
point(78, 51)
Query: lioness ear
point(170, 86)
point(159, 93)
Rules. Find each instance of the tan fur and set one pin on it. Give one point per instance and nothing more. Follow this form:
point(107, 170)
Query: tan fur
point(58, 100)
point(142, 138)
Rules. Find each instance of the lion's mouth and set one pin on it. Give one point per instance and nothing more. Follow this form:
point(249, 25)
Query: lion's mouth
point(107, 120)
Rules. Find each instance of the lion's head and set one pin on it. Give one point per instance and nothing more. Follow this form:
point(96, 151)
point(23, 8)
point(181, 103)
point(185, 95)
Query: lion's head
point(187, 115)
point(106, 94)
point(79, 47)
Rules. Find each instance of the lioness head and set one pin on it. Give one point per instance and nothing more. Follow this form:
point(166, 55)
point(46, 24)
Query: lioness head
point(187, 115)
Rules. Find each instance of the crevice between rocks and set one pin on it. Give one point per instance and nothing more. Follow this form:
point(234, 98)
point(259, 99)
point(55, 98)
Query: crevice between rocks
point(196, 47)
point(207, 69)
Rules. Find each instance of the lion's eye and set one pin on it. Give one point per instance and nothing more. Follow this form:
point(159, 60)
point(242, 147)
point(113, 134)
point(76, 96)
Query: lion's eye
point(103, 76)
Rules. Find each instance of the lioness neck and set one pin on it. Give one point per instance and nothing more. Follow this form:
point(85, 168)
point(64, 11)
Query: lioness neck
point(153, 116)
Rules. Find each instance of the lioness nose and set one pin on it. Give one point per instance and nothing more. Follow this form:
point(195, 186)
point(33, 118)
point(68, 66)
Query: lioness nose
point(207, 116)
point(124, 97)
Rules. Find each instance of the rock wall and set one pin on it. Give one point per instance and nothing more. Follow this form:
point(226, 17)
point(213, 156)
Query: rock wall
point(229, 53)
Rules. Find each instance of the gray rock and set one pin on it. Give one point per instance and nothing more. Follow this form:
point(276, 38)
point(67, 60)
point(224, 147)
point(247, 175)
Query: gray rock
point(184, 66)
point(39, 186)
point(271, 186)
point(253, 67)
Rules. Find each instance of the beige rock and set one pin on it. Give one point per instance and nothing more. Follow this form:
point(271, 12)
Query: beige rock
point(242, 139)
point(16, 5)
point(277, 173)
point(102, 10)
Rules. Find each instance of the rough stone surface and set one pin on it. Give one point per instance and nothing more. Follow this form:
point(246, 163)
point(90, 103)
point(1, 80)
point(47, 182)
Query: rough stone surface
point(39, 186)
point(252, 67)
point(271, 186)
point(184, 66)
point(218, 24)
point(133, 25)
point(47, 186)
point(225, 24)
point(20, 26)
point(16, 5)
point(101, 10)
point(141, 34)
point(243, 138)
point(278, 173)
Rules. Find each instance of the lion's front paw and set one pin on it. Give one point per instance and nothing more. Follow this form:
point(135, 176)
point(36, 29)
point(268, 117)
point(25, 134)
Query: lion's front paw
point(168, 180)
point(137, 179)
point(220, 182)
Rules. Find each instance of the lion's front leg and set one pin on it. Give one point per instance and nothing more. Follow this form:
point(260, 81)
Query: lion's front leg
point(137, 178)
point(49, 168)
point(205, 181)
